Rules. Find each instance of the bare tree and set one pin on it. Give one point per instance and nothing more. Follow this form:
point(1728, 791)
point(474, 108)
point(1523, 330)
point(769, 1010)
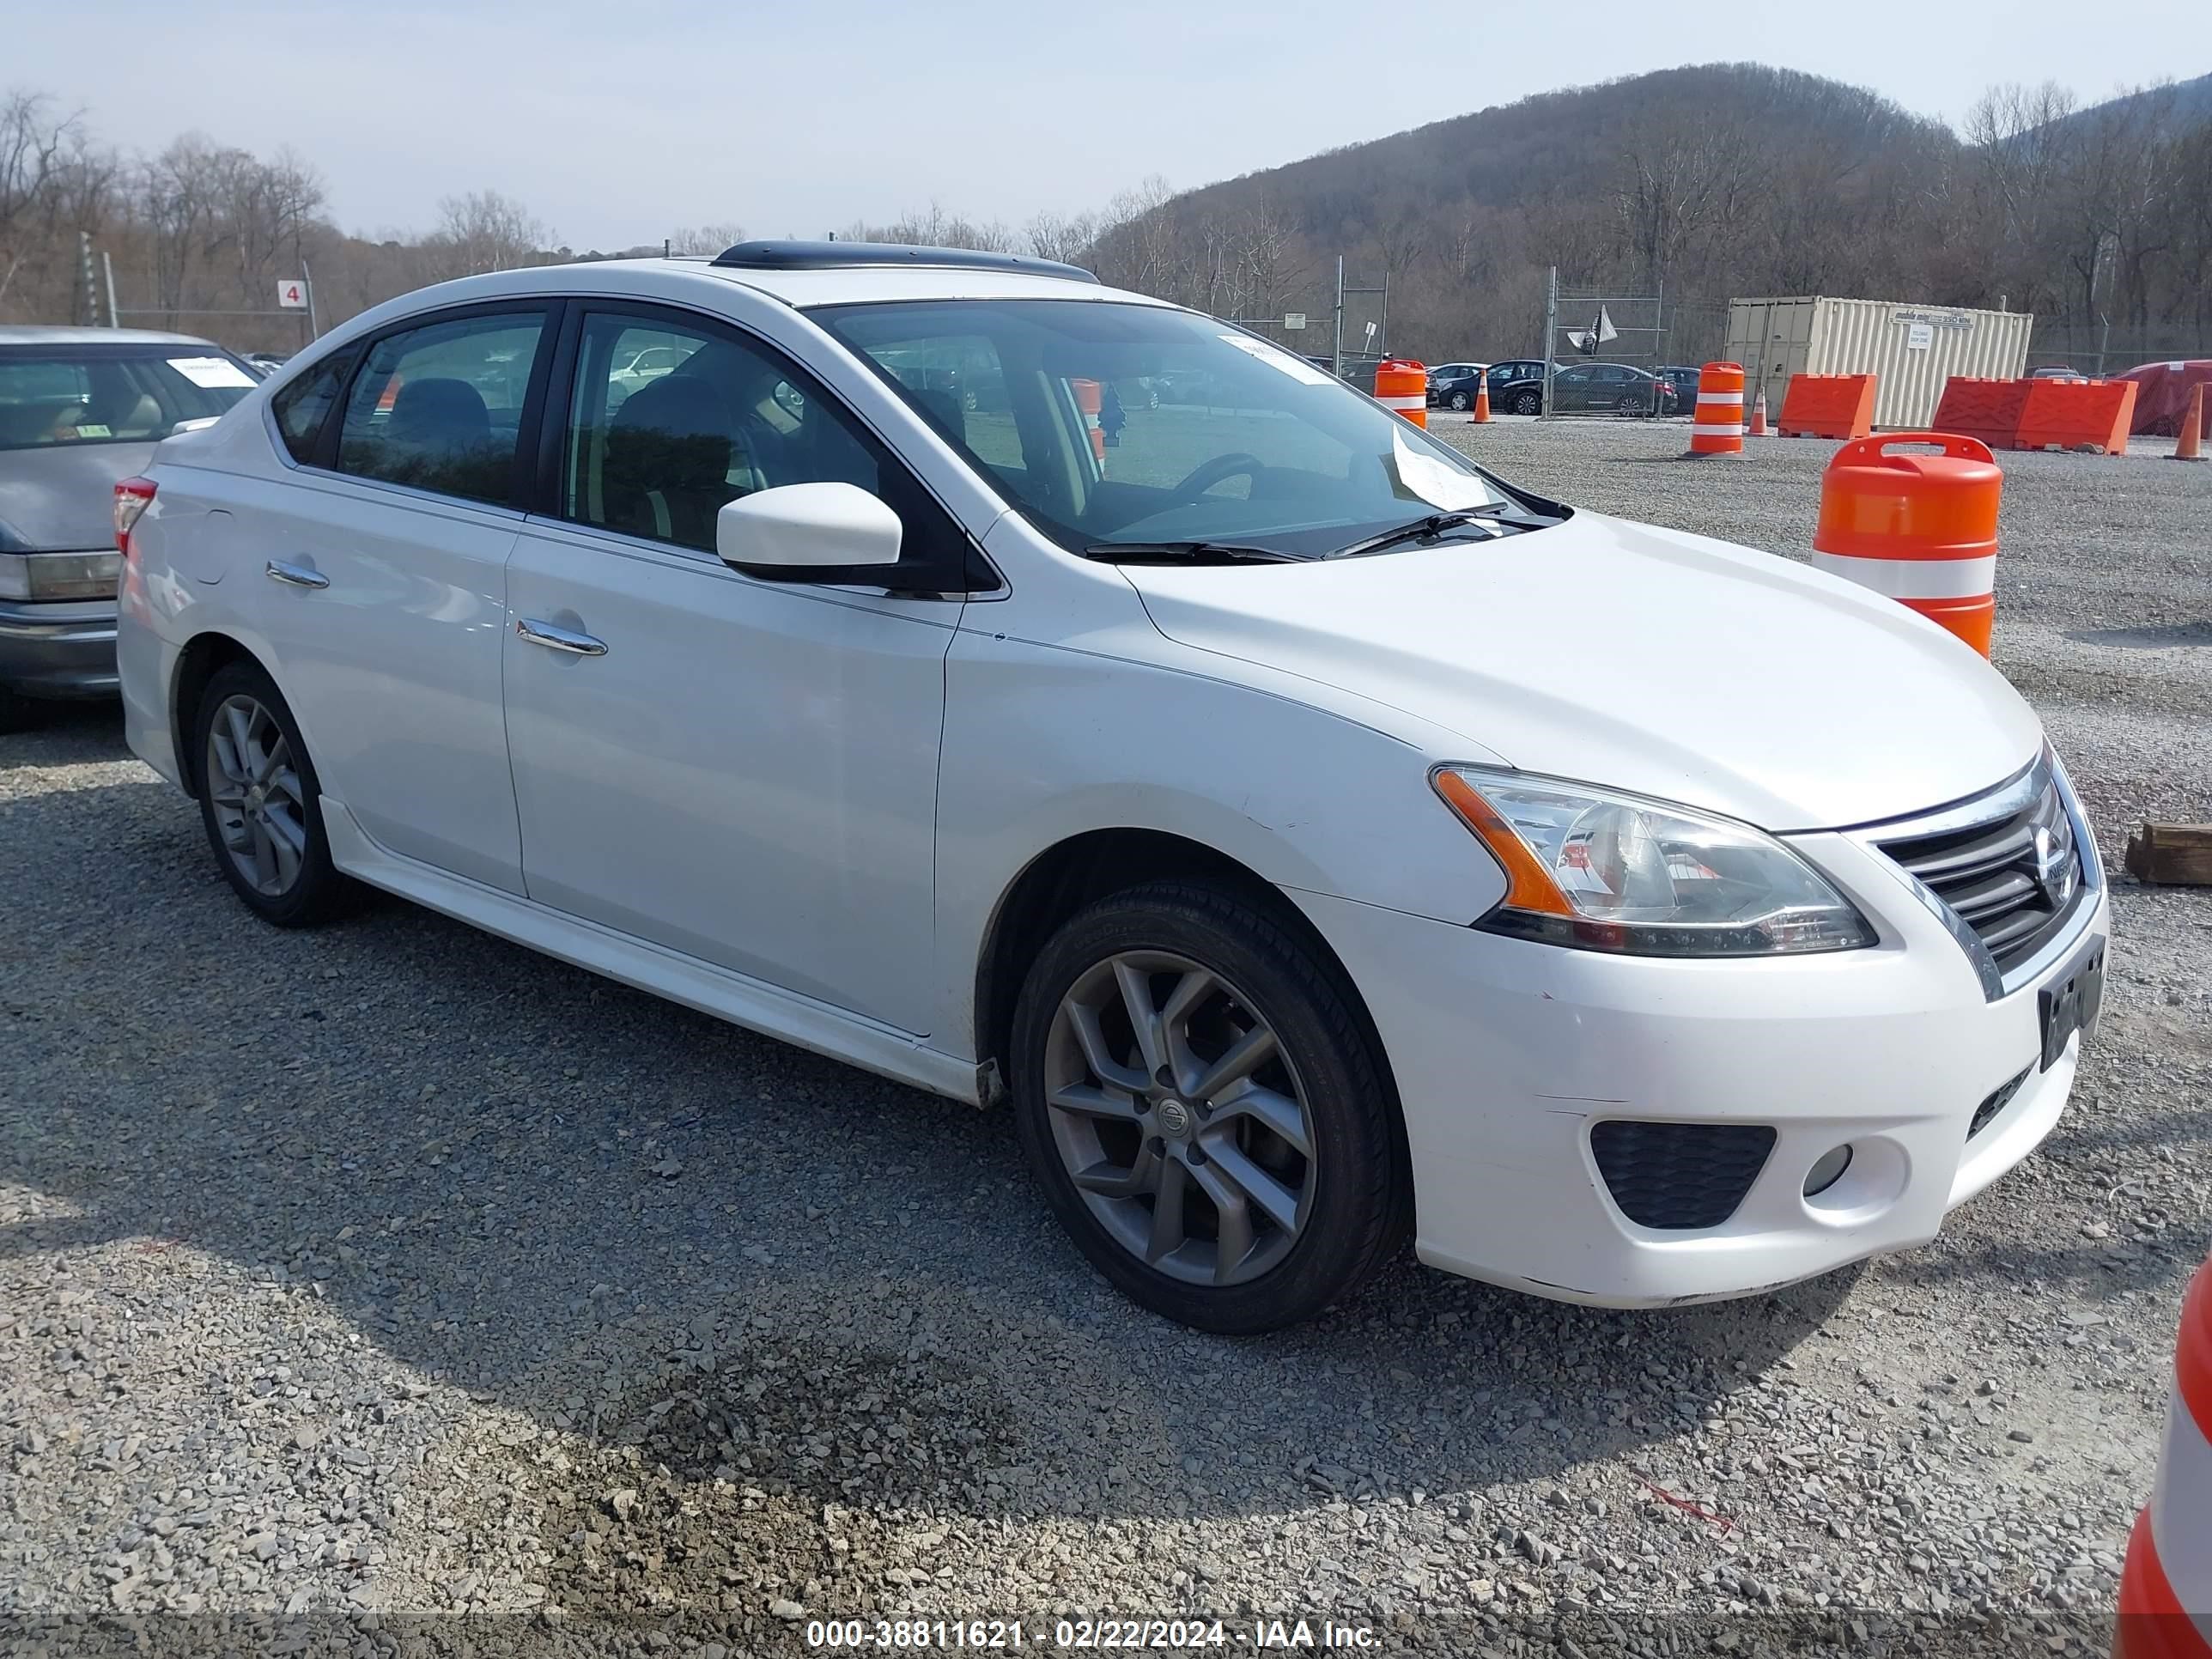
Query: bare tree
point(483, 231)
point(1068, 238)
point(36, 147)
point(706, 239)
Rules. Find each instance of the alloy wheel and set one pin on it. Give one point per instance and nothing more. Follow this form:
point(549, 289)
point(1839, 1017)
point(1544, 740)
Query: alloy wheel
point(253, 787)
point(1180, 1118)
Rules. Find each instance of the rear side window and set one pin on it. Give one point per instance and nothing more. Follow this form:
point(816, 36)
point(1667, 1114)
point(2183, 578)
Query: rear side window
point(440, 407)
point(303, 407)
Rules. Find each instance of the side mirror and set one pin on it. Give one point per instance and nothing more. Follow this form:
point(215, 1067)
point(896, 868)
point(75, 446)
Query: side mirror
point(821, 532)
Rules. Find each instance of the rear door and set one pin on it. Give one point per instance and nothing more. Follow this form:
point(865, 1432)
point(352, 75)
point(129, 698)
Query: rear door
point(380, 577)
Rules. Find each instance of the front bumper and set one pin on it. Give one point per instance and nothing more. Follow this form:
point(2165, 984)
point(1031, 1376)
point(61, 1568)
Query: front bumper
point(1506, 1052)
point(58, 648)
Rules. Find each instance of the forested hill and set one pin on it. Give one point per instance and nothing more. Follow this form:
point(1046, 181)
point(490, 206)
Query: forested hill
point(1711, 181)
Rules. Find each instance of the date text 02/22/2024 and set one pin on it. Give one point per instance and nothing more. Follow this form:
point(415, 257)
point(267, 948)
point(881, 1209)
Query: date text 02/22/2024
point(1124, 1635)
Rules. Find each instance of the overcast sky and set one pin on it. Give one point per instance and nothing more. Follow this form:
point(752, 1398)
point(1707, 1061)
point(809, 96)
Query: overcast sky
point(616, 121)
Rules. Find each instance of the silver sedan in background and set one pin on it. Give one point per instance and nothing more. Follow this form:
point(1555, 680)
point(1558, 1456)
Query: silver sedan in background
point(81, 408)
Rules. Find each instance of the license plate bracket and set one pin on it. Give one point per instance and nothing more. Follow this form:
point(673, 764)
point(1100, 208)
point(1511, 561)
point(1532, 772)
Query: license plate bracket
point(2072, 1001)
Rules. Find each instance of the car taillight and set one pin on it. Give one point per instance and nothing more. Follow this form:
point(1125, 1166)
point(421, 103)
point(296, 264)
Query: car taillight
point(132, 497)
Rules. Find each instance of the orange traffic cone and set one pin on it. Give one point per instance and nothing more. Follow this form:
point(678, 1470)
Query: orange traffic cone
point(1758, 427)
point(2192, 447)
point(1482, 399)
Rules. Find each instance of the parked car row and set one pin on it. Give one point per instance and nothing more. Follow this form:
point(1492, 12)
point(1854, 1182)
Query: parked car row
point(1516, 388)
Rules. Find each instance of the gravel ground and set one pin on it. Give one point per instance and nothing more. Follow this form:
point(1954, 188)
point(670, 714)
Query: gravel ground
point(400, 1288)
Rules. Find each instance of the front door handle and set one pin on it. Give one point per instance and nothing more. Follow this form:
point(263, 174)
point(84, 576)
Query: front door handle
point(296, 575)
point(559, 639)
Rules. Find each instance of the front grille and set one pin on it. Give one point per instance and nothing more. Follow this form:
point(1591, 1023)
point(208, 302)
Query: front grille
point(2014, 877)
point(1999, 1098)
point(1680, 1176)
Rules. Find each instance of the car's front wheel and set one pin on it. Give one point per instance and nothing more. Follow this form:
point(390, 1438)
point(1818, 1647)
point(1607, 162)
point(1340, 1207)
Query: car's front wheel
point(1459, 400)
point(1206, 1110)
point(261, 803)
point(1528, 402)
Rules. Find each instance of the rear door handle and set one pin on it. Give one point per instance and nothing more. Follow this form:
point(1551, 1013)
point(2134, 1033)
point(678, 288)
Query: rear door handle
point(296, 575)
point(559, 639)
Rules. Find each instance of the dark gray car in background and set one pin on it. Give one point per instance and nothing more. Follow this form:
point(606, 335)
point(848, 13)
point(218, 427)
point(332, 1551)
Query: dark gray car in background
point(80, 409)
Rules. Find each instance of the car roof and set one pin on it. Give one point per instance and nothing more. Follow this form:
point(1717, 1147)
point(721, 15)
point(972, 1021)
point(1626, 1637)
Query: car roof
point(43, 335)
point(679, 278)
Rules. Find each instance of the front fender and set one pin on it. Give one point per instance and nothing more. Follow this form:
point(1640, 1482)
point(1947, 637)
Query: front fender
point(1043, 743)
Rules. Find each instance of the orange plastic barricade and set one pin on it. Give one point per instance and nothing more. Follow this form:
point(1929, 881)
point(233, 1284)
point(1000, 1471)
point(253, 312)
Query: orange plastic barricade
point(2165, 1584)
point(1987, 409)
point(1402, 385)
point(1921, 528)
point(2077, 414)
point(1091, 401)
point(1717, 427)
point(1827, 406)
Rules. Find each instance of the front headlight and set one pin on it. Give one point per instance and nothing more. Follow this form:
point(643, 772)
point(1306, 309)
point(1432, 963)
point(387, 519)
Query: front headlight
point(1602, 871)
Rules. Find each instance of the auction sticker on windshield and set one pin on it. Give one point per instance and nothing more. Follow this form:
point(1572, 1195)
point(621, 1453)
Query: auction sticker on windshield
point(1425, 478)
point(210, 371)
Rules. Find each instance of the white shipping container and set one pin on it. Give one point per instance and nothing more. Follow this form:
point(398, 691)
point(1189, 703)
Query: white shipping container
point(1910, 350)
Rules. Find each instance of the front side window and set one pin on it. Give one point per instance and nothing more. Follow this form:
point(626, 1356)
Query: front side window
point(440, 407)
point(61, 395)
point(1132, 426)
point(670, 420)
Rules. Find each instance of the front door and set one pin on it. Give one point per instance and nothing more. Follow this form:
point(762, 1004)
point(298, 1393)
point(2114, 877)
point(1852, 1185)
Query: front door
point(745, 771)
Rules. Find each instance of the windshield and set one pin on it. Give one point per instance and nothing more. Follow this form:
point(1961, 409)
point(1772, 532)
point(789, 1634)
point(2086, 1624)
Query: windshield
point(55, 395)
point(1113, 424)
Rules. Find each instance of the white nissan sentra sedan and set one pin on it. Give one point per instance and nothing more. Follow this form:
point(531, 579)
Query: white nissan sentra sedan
point(1028, 690)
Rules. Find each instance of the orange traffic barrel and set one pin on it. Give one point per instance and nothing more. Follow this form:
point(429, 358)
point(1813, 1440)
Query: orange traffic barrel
point(2166, 1583)
point(1921, 528)
point(1717, 427)
point(1402, 385)
point(1090, 404)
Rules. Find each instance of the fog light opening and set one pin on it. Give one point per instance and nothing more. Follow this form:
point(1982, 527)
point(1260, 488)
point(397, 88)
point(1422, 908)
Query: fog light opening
point(1828, 1171)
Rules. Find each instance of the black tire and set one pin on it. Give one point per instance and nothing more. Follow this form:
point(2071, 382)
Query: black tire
point(1528, 402)
point(1360, 1207)
point(317, 892)
point(1459, 400)
point(1631, 405)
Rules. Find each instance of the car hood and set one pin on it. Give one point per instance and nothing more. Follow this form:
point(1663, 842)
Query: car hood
point(60, 498)
point(1648, 660)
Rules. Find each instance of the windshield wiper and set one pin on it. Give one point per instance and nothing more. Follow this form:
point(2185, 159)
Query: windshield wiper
point(1184, 553)
point(1434, 524)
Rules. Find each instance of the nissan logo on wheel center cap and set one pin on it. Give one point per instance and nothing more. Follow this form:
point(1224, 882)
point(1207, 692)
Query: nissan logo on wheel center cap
point(1175, 1118)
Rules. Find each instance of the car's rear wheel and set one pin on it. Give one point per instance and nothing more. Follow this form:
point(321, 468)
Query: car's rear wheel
point(1528, 402)
point(1630, 404)
point(261, 803)
point(1205, 1109)
point(1459, 400)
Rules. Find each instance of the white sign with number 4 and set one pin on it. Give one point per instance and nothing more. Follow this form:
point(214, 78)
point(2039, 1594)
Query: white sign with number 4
point(292, 295)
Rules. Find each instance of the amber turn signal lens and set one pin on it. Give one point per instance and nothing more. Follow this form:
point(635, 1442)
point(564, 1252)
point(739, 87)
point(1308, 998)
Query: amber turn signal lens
point(1528, 886)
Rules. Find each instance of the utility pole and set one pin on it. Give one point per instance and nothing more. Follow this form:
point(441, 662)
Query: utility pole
point(308, 282)
point(89, 310)
point(1551, 333)
point(107, 264)
point(1336, 348)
